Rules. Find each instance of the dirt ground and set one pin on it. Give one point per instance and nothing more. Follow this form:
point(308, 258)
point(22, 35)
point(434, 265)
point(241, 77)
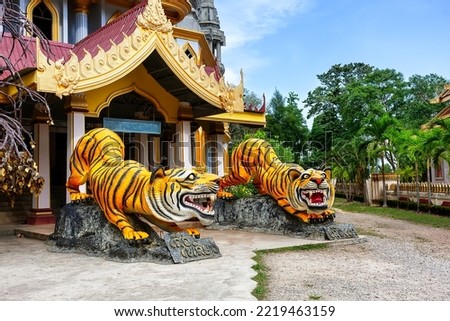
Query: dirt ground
point(399, 261)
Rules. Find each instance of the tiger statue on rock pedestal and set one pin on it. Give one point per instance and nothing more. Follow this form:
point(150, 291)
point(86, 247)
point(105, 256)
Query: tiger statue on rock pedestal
point(163, 197)
point(307, 194)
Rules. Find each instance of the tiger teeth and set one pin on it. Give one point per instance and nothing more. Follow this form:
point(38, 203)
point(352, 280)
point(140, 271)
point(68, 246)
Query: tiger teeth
point(308, 194)
point(202, 202)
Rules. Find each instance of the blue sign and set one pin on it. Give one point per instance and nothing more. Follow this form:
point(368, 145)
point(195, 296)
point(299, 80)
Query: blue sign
point(132, 126)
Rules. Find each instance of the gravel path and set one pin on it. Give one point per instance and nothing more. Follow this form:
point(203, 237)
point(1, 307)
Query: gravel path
point(400, 261)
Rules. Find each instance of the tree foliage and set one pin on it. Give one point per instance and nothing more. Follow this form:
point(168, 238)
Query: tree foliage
point(365, 118)
point(286, 124)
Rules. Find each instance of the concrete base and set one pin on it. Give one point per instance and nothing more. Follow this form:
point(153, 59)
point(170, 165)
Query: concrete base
point(40, 219)
point(70, 276)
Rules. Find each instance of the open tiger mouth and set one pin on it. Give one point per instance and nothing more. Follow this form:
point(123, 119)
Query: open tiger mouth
point(203, 203)
point(315, 198)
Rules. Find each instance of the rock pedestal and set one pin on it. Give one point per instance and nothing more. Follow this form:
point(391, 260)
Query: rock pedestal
point(263, 214)
point(82, 228)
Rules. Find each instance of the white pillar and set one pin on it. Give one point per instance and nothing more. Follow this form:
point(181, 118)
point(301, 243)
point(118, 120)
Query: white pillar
point(81, 9)
point(143, 150)
point(184, 144)
point(80, 26)
point(75, 129)
point(41, 212)
point(155, 145)
point(221, 147)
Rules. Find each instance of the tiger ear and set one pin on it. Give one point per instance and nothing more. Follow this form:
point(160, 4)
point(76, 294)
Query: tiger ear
point(157, 173)
point(294, 174)
point(327, 171)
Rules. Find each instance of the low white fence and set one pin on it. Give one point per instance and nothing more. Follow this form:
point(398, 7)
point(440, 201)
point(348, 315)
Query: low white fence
point(439, 192)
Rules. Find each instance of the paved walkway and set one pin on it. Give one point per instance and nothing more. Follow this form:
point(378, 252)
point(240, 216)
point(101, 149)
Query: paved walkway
point(30, 272)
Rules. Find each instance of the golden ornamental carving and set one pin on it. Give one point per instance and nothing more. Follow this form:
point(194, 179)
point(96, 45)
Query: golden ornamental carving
point(154, 18)
point(66, 84)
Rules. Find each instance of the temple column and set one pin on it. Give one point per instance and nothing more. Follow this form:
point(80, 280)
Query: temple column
point(221, 148)
point(76, 107)
point(200, 145)
point(217, 149)
point(143, 150)
point(183, 151)
point(41, 212)
point(183, 137)
point(155, 148)
point(81, 9)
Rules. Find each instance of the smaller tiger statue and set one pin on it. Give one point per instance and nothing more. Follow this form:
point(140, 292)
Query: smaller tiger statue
point(120, 186)
point(307, 194)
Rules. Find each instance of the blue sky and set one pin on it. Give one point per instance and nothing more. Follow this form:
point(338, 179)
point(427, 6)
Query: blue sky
point(285, 44)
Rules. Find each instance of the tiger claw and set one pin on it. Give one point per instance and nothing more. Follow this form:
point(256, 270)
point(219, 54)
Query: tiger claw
point(138, 242)
point(193, 232)
point(225, 196)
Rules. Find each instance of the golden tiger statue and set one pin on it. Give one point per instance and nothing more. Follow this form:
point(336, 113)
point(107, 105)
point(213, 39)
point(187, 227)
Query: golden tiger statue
point(120, 187)
point(307, 194)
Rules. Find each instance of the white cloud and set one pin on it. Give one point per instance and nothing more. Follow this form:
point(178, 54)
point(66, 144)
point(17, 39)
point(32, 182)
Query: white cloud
point(250, 20)
point(247, 21)
point(248, 61)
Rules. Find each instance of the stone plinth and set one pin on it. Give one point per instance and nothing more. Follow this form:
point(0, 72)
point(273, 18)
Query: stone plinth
point(263, 214)
point(84, 229)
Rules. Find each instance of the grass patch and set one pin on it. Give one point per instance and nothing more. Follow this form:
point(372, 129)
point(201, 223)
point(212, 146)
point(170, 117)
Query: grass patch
point(395, 213)
point(314, 297)
point(260, 290)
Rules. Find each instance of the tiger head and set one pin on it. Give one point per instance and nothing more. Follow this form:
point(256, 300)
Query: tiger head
point(179, 194)
point(311, 190)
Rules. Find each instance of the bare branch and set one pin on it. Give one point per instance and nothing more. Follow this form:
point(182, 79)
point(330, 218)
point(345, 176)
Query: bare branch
point(18, 170)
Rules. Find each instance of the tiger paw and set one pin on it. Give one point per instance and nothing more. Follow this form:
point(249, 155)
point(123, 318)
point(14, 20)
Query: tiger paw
point(78, 198)
point(225, 195)
point(139, 242)
point(132, 235)
point(193, 232)
point(328, 215)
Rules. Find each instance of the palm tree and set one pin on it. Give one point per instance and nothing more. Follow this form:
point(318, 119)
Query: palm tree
point(410, 144)
point(350, 159)
point(438, 139)
point(379, 144)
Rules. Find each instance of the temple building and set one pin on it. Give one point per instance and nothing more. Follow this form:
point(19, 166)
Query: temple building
point(150, 70)
point(440, 172)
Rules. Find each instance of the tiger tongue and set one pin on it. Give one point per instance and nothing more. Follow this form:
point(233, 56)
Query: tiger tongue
point(316, 197)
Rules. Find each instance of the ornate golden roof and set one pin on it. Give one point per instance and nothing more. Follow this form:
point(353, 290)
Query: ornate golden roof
point(106, 56)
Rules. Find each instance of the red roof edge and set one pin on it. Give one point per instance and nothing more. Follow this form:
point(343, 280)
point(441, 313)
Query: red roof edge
point(24, 57)
point(114, 31)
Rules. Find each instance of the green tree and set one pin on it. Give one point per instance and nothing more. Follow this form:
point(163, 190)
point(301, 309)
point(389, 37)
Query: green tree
point(349, 158)
point(410, 144)
point(370, 97)
point(326, 104)
point(378, 136)
point(326, 129)
point(421, 91)
point(285, 122)
point(333, 84)
point(438, 139)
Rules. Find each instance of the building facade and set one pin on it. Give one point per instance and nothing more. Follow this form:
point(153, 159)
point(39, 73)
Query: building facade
point(149, 70)
point(440, 173)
